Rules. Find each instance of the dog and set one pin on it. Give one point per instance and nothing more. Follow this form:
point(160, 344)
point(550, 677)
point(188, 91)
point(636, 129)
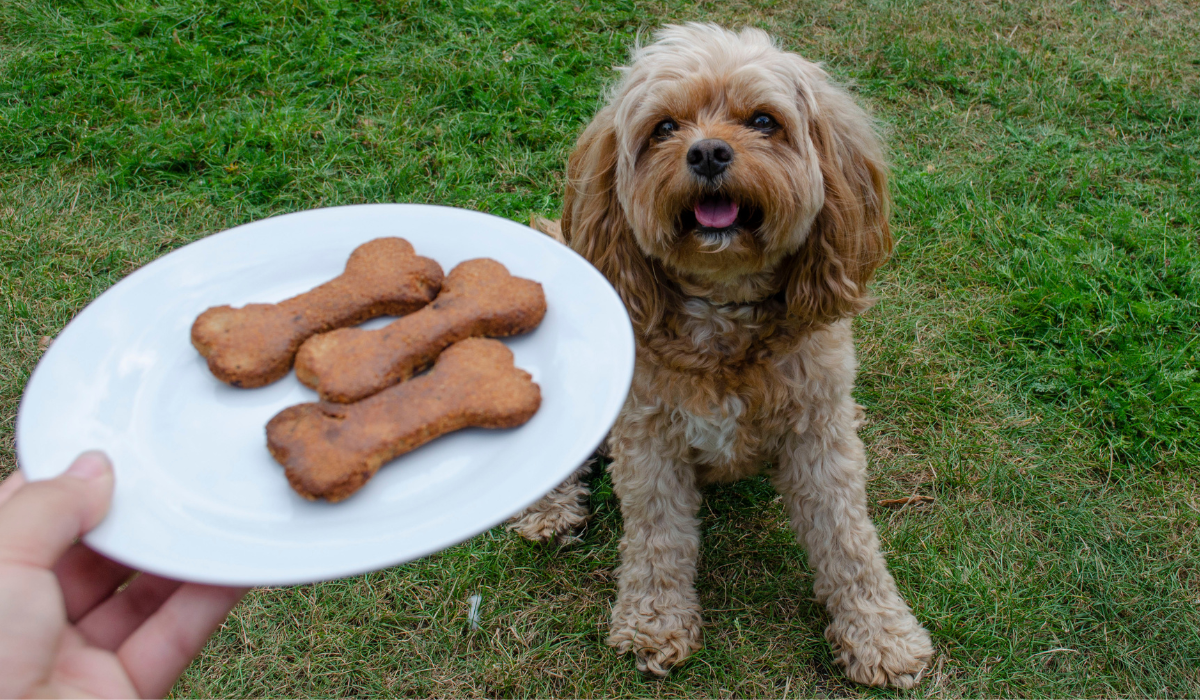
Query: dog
point(737, 200)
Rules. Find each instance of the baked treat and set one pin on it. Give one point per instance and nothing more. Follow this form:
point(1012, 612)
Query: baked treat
point(478, 298)
point(254, 345)
point(330, 450)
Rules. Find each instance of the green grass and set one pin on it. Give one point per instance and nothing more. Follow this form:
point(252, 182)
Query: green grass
point(1032, 364)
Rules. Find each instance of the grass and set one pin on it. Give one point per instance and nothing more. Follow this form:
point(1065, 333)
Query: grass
point(1032, 364)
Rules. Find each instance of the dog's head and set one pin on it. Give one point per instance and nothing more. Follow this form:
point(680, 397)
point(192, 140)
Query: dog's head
point(734, 169)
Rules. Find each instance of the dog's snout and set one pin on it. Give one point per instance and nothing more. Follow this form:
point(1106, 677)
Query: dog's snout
point(710, 157)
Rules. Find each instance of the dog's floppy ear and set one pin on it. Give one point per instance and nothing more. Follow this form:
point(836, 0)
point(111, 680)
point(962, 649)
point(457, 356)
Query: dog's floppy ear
point(595, 226)
point(851, 236)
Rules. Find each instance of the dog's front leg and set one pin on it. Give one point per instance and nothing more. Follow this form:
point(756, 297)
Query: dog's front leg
point(560, 512)
point(822, 475)
point(657, 613)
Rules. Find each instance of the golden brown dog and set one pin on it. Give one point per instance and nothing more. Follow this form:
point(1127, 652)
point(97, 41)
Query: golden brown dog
point(737, 200)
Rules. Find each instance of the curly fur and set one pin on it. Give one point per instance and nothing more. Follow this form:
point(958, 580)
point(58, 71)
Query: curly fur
point(560, 512)
point(744, 349)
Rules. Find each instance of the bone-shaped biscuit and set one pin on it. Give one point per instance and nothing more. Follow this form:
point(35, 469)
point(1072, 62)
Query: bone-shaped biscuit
point(478, 298)
point(330, 450)
point(255, 345)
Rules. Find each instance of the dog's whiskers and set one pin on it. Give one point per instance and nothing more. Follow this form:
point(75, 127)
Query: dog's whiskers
point(707, 241)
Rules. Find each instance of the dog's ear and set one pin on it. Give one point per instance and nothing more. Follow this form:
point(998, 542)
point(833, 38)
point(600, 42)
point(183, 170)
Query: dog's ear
point(595, 225)
point(851, 236)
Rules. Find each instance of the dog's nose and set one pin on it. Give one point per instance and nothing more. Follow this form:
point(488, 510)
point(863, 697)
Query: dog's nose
point(710, 157)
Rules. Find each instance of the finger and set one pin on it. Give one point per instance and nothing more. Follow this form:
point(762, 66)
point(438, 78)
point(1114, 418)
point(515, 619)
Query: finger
point(41, 520)
point(83, 671)
point(87, 579)
point(30, 627)
point(115, 619)
point(10, 485)
point(158, 652)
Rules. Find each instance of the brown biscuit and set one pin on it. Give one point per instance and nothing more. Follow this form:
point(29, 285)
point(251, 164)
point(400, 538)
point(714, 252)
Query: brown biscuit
point(479, 298)
point(255, 345)
point(330, 450)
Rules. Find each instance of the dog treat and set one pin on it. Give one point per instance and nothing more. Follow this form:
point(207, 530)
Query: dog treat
point(478, 298)
point(330, 450)
point(255, 345)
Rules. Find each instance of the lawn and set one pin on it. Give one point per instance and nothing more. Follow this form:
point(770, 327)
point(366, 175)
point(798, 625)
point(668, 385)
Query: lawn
point(1033, 363)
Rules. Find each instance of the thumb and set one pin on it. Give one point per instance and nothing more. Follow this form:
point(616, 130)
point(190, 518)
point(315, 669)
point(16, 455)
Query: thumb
point(42, 519)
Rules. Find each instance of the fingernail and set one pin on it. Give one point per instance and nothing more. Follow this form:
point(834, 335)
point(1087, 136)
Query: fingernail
point(90, 465)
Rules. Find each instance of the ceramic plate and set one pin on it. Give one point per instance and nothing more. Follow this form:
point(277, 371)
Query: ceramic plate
point(199, 498)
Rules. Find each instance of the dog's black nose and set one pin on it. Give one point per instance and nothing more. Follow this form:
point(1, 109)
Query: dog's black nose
point(710, 157)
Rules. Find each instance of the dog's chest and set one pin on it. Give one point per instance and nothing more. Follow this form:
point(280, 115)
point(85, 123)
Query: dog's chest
point(716, 434)
point(729, 400)
point(734, 421)
point(732, 411)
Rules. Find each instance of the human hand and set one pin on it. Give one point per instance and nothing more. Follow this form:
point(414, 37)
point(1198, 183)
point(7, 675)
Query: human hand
point(64, 630)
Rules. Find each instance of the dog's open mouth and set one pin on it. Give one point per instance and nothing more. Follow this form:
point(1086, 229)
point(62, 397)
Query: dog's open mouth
point(716, 219)
point(716, 212)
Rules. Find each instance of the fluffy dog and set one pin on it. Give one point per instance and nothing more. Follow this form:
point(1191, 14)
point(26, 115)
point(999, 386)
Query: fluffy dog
point(738, 202)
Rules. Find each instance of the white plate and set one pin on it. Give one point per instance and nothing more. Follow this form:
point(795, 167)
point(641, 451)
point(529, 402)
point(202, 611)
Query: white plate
point(199, 498)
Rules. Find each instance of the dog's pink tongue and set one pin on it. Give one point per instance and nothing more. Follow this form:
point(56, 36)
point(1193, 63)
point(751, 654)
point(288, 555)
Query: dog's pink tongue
point(716, 213)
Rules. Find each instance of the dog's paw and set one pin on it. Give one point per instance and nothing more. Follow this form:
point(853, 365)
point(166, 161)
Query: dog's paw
point(558, 515)
point(556, 524)
point(658, 639)
point(887, 648)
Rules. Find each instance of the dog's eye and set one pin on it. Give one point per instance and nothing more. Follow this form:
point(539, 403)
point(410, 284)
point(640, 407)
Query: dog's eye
point(665, 129)
point(763, 122)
